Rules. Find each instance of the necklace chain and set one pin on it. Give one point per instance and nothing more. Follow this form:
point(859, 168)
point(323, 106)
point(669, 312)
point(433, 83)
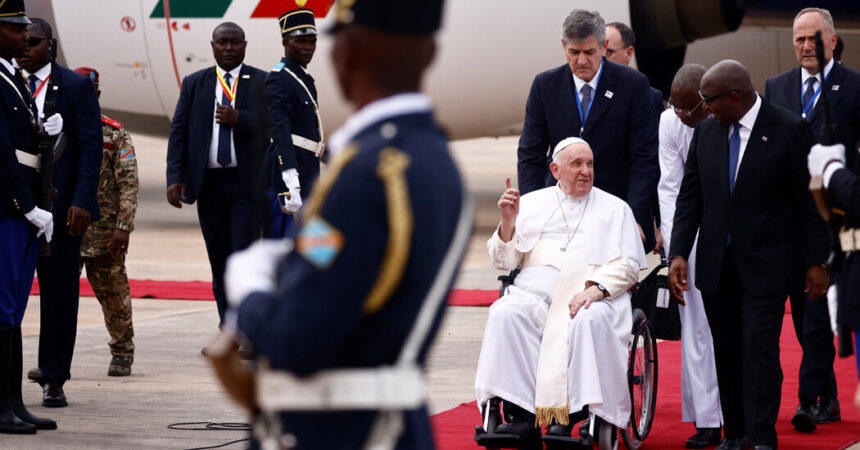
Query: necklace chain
point(566, 226)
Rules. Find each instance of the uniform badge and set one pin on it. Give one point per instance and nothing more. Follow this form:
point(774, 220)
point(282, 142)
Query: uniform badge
point(127, 153)
point(319, 242)
point(764, 138)
point(835, 87)
point(609, 94)
point(278, 66)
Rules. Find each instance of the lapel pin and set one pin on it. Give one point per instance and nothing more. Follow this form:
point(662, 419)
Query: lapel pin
point(835, 87)
point(609, 94)
point(246, 76)
point(764, 138)
point(56, 87)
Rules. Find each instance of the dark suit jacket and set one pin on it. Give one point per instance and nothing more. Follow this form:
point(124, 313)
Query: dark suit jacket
point(771, 216)
point(621, 129)
point(76, 174)
point(191, 130)
point(784, 90)
point(19, 184)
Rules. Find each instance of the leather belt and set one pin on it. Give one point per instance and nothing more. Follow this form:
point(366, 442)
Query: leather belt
point(313, 146)
point(849, 239)
point(389, 387)
point(29, 160)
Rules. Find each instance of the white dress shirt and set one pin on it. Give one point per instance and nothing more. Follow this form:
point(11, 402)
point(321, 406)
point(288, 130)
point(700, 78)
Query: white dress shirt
point(216, 128)
point(804, 75)
point(42, 75)
point(747, 122)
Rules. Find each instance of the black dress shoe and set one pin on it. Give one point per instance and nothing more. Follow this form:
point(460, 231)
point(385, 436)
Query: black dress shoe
point(762, 447)
point(731, 444)
point(11, 424)
point(826, 412)
point(40, 422)
point(704, 438)
point(53, 396)
point(803, 420)
point(34, 374)
point(521, 430)
point(557, 429)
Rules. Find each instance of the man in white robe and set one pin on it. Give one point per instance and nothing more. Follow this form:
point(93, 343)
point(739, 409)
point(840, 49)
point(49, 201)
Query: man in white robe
point(580, 251)
point(700, 396)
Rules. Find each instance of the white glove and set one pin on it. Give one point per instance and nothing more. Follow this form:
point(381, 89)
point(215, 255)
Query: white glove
point(832, 304)
point(819, 157)
point(43, 221)
point(291, 179)
point(53, 125)
point(254, 269)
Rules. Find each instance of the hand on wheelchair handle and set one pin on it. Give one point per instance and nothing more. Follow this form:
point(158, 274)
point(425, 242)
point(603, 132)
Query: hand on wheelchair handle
point(678, 279)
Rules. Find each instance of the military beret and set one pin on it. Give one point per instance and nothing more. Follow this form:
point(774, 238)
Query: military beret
point(396, 16)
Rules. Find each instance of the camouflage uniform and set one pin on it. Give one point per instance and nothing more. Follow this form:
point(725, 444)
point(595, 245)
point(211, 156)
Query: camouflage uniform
point(118, 198)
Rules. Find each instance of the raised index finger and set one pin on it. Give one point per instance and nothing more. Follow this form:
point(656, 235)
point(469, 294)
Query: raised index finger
point(507, 183)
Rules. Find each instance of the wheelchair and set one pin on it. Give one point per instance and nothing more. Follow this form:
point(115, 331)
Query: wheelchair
point(594, 431)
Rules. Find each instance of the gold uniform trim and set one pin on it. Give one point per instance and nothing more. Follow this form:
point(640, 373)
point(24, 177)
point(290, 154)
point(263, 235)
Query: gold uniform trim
point(391, 169)
point(320, 192)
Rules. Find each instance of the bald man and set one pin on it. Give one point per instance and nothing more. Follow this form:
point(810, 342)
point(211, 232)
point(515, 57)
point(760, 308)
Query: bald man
point(745, 189)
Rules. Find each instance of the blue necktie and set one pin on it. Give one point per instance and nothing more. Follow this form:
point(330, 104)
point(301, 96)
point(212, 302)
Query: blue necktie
point(33, 80)
point(734, 152)
point(585, 101)
point(807, 96)
point(224, 157)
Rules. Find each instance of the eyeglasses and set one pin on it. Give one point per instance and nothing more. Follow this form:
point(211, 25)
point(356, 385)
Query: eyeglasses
point(612, 51)
point(681, 112)
point(708, 100)
point(36, 40)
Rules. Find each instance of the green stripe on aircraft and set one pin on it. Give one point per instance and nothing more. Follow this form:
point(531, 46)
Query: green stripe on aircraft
point(192, 9)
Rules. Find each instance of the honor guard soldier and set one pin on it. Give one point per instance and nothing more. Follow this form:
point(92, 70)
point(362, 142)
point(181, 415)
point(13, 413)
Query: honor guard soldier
point(341, 320)
point(294, 120)
point(106, 241)
point(21, 221)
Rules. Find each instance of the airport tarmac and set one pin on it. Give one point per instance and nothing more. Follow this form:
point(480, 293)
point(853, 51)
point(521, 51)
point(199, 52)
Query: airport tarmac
point(171, 382)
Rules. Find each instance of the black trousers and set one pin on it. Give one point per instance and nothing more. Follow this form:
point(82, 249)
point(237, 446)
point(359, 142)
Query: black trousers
point(228, 222)
point(59, 285)
point(812, 326)
point(746, 330)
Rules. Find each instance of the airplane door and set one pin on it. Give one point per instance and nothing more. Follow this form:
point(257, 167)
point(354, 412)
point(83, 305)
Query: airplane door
point(114, 44)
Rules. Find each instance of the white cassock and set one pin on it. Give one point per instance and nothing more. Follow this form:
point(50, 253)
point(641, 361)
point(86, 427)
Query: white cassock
point(605, 249)
point(700, 396)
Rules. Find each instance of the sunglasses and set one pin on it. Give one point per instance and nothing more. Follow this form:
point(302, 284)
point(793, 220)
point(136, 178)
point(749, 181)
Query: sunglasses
point(681, 112)
point(36, 40)
point(708, 100)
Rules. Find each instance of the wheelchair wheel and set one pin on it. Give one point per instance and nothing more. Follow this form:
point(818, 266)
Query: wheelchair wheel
point(642, 381)
point(607, 436)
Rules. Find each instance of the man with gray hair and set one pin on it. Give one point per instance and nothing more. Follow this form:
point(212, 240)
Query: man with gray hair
point(700, 394)
point(609, 105)
point(580, 252)
point(798, 90)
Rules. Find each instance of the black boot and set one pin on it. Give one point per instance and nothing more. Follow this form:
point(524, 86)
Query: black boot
point(16, 400)
point(9, 422)
point(521, 423)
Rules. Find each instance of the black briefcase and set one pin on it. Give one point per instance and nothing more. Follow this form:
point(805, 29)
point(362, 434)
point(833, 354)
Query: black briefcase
point(652, 296)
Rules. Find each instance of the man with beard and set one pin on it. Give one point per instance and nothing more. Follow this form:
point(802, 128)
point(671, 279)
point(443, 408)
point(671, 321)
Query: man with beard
point(295, 125)
point(75, 178)
point(217, 142)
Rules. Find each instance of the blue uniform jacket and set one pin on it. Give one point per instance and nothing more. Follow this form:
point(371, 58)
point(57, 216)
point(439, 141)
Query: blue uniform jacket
point(321, 316)
point(19, 184)
point(620, 128)
point(191, 130)
point(76, 174)
point(291, 111)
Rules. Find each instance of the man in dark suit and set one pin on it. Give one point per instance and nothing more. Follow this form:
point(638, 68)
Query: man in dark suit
point(798, 91)
point(217, 140)
point(745, 189)
point(295, 125)
point(610, 106)
point(75, 177)
point(21, 221)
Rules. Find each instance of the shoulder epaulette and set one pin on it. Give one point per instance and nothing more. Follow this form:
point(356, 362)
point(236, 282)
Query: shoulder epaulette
point(278, 66)
point(111, 122)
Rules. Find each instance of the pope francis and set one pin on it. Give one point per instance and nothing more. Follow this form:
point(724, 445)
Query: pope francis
point(557, 342)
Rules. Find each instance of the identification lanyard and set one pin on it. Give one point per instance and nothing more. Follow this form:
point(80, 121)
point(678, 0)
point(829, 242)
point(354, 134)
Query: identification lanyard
point(579, 105)
point(39, 89)
point(230, 93)
point(809, 105)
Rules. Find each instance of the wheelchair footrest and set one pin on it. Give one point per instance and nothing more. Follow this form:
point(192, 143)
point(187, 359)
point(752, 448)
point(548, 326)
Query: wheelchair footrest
point(497, 440)
point(566, 443)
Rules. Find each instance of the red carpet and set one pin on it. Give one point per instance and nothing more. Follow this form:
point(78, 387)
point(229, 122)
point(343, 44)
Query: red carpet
point(202, 290)
point(455, 428)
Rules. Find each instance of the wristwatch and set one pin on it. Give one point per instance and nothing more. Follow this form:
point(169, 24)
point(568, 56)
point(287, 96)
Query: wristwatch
point(602, 289)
